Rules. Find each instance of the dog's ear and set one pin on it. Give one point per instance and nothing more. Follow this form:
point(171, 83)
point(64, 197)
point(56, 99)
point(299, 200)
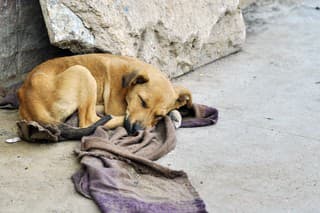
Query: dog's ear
point(184, 97)
point(134, 77)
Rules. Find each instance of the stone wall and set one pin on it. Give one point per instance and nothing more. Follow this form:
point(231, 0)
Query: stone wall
point(175, 36)
point(24, 40)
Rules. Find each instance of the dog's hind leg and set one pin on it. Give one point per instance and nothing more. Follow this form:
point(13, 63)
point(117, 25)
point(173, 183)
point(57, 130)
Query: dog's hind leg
point(35, 97)
point(76, 89)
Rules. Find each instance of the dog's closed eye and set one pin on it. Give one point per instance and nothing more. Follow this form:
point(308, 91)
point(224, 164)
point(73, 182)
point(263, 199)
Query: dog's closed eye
point(143, 102)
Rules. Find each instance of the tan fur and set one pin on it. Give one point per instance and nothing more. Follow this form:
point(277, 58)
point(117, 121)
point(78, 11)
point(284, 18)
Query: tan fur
point(55, 89)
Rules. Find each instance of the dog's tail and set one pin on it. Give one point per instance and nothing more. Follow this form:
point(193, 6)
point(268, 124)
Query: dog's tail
point(72, 133)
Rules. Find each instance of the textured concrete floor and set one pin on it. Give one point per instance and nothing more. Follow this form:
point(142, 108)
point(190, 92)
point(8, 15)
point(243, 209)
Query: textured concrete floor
point(262, 156)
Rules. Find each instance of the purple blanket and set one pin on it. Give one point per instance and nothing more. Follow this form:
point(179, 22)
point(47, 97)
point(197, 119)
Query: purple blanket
point(120, 176)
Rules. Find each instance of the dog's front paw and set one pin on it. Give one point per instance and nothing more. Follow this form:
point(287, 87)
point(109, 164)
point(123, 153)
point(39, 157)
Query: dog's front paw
point(176, 118)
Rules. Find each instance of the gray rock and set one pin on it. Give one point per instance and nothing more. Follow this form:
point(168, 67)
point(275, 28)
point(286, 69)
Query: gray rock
point(176, 36)
point(24, 41)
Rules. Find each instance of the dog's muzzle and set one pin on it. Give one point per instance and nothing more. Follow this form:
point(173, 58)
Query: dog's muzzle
point(131, 128)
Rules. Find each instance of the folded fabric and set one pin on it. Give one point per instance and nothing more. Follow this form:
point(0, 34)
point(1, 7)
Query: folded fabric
point(198, 115)
point(32, 131)
point(119, 174)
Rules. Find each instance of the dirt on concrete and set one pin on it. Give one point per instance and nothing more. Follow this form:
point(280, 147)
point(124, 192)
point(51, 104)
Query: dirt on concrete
point(262, 156)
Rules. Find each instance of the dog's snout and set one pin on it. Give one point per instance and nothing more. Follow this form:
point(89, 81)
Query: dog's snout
point(132, 128)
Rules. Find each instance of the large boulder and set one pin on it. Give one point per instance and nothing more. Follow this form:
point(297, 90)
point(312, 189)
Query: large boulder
point(176, 36)
point(24, 41)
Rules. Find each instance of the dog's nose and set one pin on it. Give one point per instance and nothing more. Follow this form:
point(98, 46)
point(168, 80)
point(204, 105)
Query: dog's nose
point(132, 128)
point(136, 127)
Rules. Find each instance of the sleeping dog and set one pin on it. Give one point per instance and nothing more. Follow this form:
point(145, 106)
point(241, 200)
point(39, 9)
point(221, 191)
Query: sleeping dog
point(134, 93)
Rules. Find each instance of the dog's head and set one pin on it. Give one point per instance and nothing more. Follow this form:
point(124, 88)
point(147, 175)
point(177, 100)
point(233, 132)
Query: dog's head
point(150, 97)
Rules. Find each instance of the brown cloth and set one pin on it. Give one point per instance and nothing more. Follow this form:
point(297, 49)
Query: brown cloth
point(119, 174)
point(32, 131)
point(198, 115)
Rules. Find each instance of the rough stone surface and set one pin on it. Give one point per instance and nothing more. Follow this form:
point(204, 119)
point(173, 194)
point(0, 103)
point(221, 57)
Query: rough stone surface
point(23, 37)
point(176, 36)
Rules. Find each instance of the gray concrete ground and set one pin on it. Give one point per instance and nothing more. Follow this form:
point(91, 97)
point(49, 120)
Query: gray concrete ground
point(262, 156)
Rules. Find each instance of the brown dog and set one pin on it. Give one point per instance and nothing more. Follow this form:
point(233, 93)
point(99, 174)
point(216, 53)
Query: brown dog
point(136, 94)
